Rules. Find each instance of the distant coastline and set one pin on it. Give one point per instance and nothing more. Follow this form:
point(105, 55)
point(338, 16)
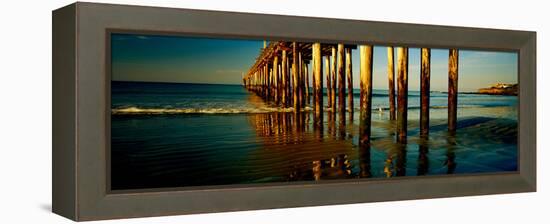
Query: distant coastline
point(500, 89)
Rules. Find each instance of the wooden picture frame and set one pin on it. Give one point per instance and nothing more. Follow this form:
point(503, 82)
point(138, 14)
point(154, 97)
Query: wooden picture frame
point(81, 111)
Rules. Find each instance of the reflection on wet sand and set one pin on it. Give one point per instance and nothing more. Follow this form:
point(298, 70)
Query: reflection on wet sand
point(342, 126)
point(423, 162)
point(322, 144)
point(306, 146)
point(451, 145)
point(394, 165)
point(328, 160)
point(364, 161)
point(284, 133)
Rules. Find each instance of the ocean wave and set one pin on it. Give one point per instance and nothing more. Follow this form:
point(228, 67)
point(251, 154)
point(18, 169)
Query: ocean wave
point(243, 110)
point(160, 111)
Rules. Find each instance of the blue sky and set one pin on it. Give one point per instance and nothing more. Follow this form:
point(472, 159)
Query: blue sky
point(223, 61)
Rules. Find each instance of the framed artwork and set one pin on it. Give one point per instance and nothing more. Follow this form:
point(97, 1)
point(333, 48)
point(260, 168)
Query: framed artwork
point(201, 111)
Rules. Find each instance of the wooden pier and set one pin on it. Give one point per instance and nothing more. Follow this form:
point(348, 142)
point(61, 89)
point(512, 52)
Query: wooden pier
point(280, 76)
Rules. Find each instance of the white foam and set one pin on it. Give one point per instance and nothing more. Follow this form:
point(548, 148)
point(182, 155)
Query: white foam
point(160, 111)
point(235, 110)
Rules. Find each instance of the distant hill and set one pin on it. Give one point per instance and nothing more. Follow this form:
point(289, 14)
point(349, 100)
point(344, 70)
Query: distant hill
point(500, 89)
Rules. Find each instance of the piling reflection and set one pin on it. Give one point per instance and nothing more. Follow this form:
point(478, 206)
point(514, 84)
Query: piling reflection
point(423, 162)
point(318, 125)
point(395, 164)
point(331, 120)
point(342, 125)
point(330, 160)
point(451, 146)
point(333, 168)
point(289, 124)
point(364, 161)
point(306, 146)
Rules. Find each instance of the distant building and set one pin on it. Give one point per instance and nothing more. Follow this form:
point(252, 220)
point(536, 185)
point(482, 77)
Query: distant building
point(500, 89)
point(502, 85)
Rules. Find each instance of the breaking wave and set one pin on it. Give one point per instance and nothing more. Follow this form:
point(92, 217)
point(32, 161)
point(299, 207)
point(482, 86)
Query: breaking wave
point(239, 110)
point(160, 111)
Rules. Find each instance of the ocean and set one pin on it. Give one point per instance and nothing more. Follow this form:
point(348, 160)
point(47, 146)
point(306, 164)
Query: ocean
point(166, 135)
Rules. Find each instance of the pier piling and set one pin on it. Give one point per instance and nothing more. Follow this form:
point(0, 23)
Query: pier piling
point(284, 71)
point(295, 77)
point(317, 68)
point(301, 79)
point(425, 91)
point(365, 101)
point(349, 75)
point(266, 82)
point(341, 80)
point(453, 89)
point(329, 84)
point(402, 93)
point(306, 82)
point(391, 83)
point(276, 78)
point(333, 77)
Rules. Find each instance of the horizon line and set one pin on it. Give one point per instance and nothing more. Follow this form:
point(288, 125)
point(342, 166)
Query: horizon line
point(200, 83)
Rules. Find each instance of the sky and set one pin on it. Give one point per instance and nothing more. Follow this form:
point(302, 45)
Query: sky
point(150, 58)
